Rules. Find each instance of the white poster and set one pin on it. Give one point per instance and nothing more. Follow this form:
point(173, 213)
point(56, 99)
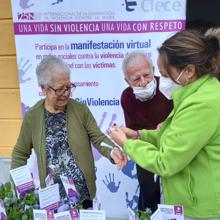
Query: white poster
point(93, 38)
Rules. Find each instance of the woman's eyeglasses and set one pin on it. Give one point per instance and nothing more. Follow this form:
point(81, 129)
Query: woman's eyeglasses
point(60, 92)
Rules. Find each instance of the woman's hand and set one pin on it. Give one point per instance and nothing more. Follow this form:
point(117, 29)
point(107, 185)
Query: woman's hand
point(130, 134)
point(159, 126)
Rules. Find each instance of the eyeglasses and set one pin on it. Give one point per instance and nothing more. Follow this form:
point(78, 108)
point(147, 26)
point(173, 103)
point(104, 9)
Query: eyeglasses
point(60, 92)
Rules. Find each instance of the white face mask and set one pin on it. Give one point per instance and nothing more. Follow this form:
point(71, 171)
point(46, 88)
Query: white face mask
point(147, 92)
point(167, 86)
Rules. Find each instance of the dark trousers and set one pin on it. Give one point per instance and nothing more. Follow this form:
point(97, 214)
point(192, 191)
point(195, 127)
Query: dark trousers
point(149, 195)
point(87, 203)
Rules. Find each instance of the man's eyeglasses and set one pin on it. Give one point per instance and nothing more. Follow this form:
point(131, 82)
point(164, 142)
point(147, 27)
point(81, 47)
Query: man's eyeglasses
point(60, 92)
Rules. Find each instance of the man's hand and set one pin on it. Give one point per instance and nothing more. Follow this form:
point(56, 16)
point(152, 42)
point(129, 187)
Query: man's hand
point(119, 158)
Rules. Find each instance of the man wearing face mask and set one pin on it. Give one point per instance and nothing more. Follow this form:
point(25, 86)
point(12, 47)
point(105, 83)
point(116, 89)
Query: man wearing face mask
point(145, 107)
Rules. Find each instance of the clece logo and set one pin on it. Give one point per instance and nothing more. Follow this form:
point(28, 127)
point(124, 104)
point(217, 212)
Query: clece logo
point(152, 6)
point(161, 5)
point(26, 16)
point(129, 5)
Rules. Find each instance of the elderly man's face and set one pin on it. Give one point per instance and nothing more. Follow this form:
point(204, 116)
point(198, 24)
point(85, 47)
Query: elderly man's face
point(58, 102)
point(139, 73)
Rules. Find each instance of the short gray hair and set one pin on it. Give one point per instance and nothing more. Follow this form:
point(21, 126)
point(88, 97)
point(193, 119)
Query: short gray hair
point(132, 58)
point(50, 67)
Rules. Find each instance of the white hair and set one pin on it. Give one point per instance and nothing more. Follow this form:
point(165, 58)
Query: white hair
point(48, 68)
point(132, 58)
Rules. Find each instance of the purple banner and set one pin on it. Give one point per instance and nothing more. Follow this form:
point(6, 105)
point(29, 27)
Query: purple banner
point(101, 27)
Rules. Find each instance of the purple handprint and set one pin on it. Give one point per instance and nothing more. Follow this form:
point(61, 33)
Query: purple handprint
point(127, 170)
point(57, 2)
point(114, 116)
point(133, 203)
point(22, 69)
point(24, 4)
point(103, 118)
point(110, 183)
point(24, 109)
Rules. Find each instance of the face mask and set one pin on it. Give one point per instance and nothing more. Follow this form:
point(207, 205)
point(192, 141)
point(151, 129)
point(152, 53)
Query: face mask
point(145, 93)
point(167, 86)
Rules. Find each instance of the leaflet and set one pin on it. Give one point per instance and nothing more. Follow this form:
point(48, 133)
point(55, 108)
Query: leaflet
point(23, 180)
point(43, 215)
point(69, 186)
point(49, 197)
point(92, 215)
point(62, 216)
point(168, 212)
point(49, 215)
point(67, 215)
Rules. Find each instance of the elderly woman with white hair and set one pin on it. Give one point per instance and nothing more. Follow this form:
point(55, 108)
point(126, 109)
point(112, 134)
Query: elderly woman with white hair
point(61, 130)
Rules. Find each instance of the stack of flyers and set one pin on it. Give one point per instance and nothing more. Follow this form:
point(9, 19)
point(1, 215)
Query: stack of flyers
point(43, 215)
point(49, 215)
point(168, 212)
point(67, 215)
point(49, 197)
point(23, 180)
